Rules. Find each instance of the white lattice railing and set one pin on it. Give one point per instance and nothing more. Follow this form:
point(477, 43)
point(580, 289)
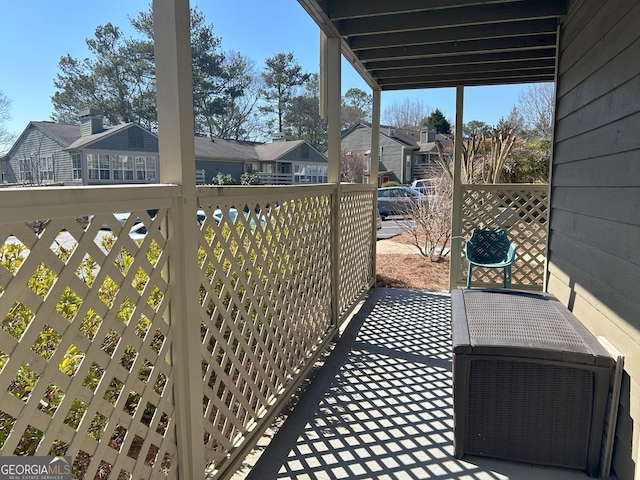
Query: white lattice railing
point(356, 219)
point(87, 367)
point(520, 210)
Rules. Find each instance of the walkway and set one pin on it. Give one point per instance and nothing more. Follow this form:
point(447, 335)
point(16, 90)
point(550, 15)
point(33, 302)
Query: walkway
point(380, 407)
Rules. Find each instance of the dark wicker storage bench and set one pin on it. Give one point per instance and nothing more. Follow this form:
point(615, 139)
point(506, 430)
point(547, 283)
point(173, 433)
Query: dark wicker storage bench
point(530, 381)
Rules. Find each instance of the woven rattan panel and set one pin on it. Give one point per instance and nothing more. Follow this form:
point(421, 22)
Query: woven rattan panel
point(530, 381)
point(538, 321)
point(514, 412)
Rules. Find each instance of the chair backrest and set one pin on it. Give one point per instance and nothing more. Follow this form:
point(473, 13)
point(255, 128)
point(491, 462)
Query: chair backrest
point(488, 246)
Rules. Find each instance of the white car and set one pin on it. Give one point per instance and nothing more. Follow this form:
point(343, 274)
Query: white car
point(121, 217)
point(138, 231)
point(423, 185)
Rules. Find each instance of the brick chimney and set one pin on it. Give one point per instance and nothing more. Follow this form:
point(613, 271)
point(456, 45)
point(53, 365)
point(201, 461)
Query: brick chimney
point(91, 121)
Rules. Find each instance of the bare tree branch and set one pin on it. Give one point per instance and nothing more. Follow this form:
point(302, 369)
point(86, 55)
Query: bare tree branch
point(428, 220)
point(501, 141)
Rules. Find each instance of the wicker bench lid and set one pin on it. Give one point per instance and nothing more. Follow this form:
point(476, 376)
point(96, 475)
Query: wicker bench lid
point(523, 324)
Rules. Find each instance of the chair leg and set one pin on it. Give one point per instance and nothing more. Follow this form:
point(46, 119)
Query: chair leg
point(469, 276)
point(507, 277)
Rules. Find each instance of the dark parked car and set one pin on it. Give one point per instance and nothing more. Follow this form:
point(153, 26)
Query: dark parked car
point(397, 200)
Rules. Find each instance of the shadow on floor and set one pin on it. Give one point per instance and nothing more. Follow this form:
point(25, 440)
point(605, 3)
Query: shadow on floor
point(380, 407)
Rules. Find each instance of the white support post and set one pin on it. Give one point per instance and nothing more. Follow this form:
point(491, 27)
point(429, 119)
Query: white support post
point(375, 137)
point(332, 78)
point(330, 72)
point(456, 214)
point(374, 161)
point(177, 165)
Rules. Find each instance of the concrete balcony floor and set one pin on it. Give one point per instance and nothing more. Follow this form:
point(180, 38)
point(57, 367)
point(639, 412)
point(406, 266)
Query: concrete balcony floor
point(380, 406)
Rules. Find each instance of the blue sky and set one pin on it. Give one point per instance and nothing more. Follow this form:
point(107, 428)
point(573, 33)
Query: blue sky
point(34, 34)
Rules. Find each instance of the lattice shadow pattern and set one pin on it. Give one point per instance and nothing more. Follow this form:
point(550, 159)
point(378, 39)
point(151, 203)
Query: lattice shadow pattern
point(389, 408)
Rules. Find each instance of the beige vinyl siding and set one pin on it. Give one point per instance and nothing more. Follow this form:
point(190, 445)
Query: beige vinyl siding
point(594, 239)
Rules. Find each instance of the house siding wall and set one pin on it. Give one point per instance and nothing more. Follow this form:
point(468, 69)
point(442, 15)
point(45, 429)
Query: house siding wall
point(36, 144)
point(133, 139)
point(359, 140)
point(594, 259)
point(212, 167)
point(303, 153)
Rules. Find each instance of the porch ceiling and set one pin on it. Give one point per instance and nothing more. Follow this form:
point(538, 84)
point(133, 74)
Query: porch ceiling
point(408, 44)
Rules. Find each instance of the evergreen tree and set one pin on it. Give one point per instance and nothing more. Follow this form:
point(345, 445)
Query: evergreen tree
point(119, 80)
point(356, 107)
point(438, 122)
point(281, 77)
point(302, 117)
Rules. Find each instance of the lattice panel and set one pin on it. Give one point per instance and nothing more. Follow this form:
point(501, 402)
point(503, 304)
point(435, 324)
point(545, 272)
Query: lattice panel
point(522, 213)
point(356, 245)
point(84, 345)
point(265, 306)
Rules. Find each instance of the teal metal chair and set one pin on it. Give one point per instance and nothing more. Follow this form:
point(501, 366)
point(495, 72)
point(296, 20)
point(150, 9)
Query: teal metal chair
point(490, 249)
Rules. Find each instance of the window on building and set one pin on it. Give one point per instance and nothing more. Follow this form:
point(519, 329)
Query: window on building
point(310, 173)
point(151, 168)
point(45, 168)
point(251, 167)
point(119, 168)
point(76, 160)
point(407, 169)
point(146, 168)
point(92, 166)
point(123, 167)
point(324, 174)
point(104, 167)
point(26, 170)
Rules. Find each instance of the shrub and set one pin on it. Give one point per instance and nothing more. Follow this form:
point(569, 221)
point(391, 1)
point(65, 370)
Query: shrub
point(391, 183)
point(18, 318)
point(223, 179)
point(250, 179)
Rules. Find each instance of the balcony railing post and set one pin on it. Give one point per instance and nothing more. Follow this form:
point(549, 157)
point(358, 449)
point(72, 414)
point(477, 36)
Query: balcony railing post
point(456, 214)
point(330, 109)
point(177, 157)
point(374, 160)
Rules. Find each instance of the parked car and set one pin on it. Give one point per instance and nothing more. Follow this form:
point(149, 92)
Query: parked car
point(378, 220)
point(218, 215)
point(138, 231)
point(396, 200)
point(424, 186)
point(122, 217)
